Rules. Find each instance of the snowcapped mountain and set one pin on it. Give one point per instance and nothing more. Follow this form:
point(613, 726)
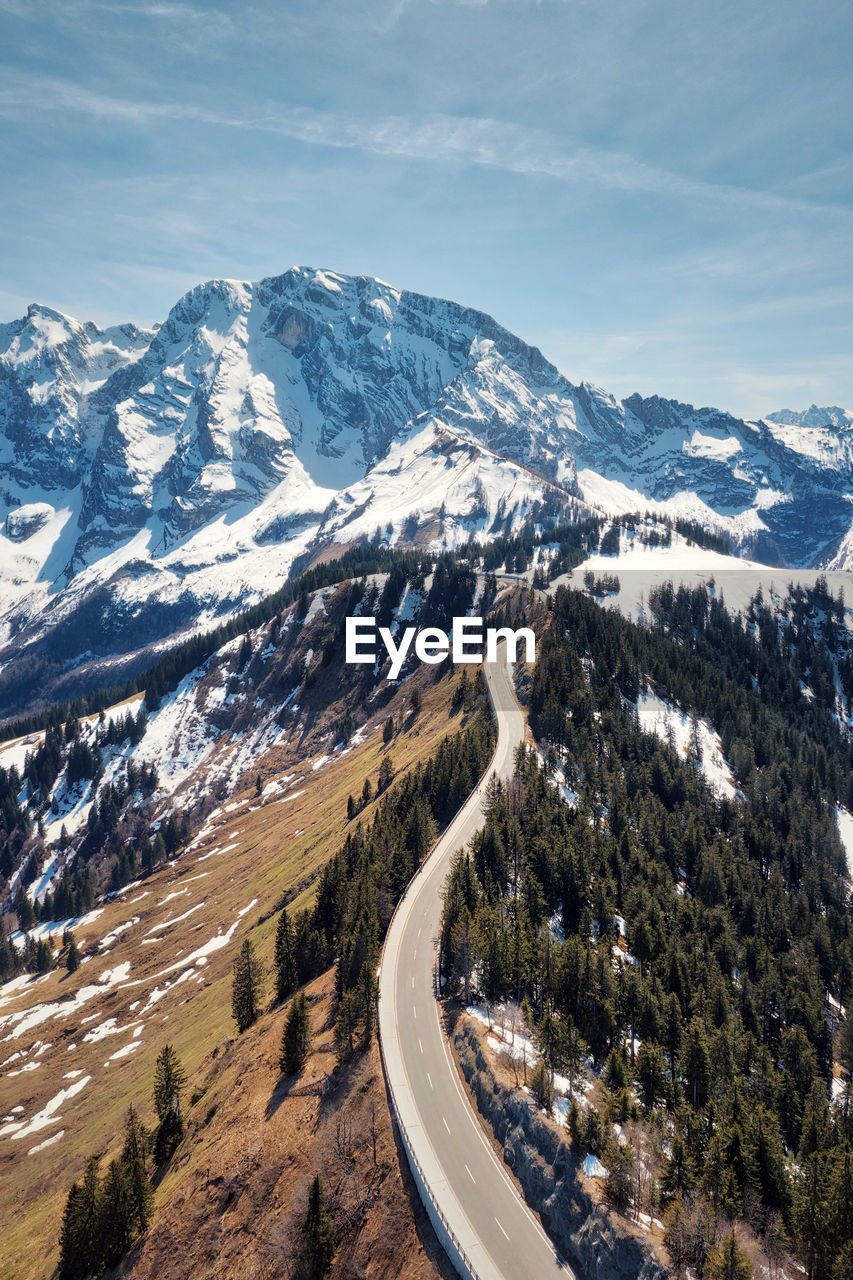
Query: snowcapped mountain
point(830, 415)
point(155, 480)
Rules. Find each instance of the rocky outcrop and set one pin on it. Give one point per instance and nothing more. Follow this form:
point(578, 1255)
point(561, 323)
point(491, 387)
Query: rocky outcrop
point(23, 522)
point(546, 1166)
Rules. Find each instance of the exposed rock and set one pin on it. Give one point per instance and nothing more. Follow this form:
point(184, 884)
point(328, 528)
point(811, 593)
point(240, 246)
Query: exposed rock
point(23, 522)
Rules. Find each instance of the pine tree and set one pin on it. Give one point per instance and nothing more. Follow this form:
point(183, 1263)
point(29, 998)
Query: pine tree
point(158, 853)
point(169, 1080)
point(79, 1237)
point(115, 1217)
point(728, 1262)
point(296, 1039)
point(845, 1043)
point(346, 1024)
point(695, 1063)
point(72, 960)
point(651, 1074)
point(139, 1190)
point(44, 956)
point(388, 730)
point(285, 960)
point(620, 1176)
point(386, 774)
point(318, 1233)
point(26, 917)
point(246, 988)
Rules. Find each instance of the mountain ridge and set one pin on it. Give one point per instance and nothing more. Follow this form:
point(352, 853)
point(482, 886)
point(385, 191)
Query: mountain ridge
point(154, 480)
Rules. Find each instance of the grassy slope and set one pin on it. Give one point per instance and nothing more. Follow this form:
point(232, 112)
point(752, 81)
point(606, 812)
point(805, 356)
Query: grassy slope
point(268, 859)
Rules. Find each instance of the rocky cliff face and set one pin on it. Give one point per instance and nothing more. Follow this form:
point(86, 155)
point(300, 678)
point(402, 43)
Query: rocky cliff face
point(155, 480)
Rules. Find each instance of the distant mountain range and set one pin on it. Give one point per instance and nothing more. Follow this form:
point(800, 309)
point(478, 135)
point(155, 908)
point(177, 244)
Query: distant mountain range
point(152, 481)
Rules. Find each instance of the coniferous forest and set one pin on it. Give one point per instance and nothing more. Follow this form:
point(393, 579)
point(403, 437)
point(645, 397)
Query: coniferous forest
point(695, 951)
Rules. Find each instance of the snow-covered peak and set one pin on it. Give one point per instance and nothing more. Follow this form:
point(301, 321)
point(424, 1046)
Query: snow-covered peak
point(179, 471)
point(829, 416)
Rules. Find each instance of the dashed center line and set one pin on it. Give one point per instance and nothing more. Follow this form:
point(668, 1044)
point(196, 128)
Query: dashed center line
point(470, 1175)
point(420, 1046)
point(503, 1233)
point(414, 1011)
point(446, 1125)
point(429, 1077)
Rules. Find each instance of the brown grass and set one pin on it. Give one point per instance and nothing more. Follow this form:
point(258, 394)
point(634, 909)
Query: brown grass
point(279, 845)
point(231, 1206)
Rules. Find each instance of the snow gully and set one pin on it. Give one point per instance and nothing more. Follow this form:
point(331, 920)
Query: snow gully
point(432, 645)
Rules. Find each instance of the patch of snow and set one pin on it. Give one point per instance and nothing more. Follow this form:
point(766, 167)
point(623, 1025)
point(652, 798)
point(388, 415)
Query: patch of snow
point(199, 956)
point(844, 819)
point(48, 1142)
point(117, 931)
point(104, 1029)
point(39, 888)
point(167, 924)
point(24, 1020)
point(170, 896)
point(48, 929)
point(124, 1052)
point(658, 716)
point(47, 1116)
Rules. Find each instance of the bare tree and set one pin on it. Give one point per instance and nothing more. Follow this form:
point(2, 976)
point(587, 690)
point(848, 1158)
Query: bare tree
point(374, 1132)
point(343, 1139)
point(774, 1244)
point(509, 1062)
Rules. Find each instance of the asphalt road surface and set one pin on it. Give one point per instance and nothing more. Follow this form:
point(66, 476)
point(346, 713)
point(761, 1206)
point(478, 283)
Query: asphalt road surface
point(476, 1193)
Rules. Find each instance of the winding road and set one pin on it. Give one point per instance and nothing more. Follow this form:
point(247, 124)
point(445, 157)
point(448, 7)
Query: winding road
point(475, 1194)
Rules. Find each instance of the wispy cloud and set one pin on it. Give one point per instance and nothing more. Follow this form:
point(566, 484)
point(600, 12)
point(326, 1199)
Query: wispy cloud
point(74, 10)
point(190, 26)
point(471, 140)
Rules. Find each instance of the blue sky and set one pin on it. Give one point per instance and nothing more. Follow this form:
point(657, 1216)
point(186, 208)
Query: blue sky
point(655, 192)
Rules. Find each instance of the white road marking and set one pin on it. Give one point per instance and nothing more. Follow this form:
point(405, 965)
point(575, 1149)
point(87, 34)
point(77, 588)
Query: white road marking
point(453, 837)
point(413, 982)
point(414, 1011)
point(475, 1126)
point(420, 1046)
point(429, 1077)
point(446, 1125)
point(470, 1175)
